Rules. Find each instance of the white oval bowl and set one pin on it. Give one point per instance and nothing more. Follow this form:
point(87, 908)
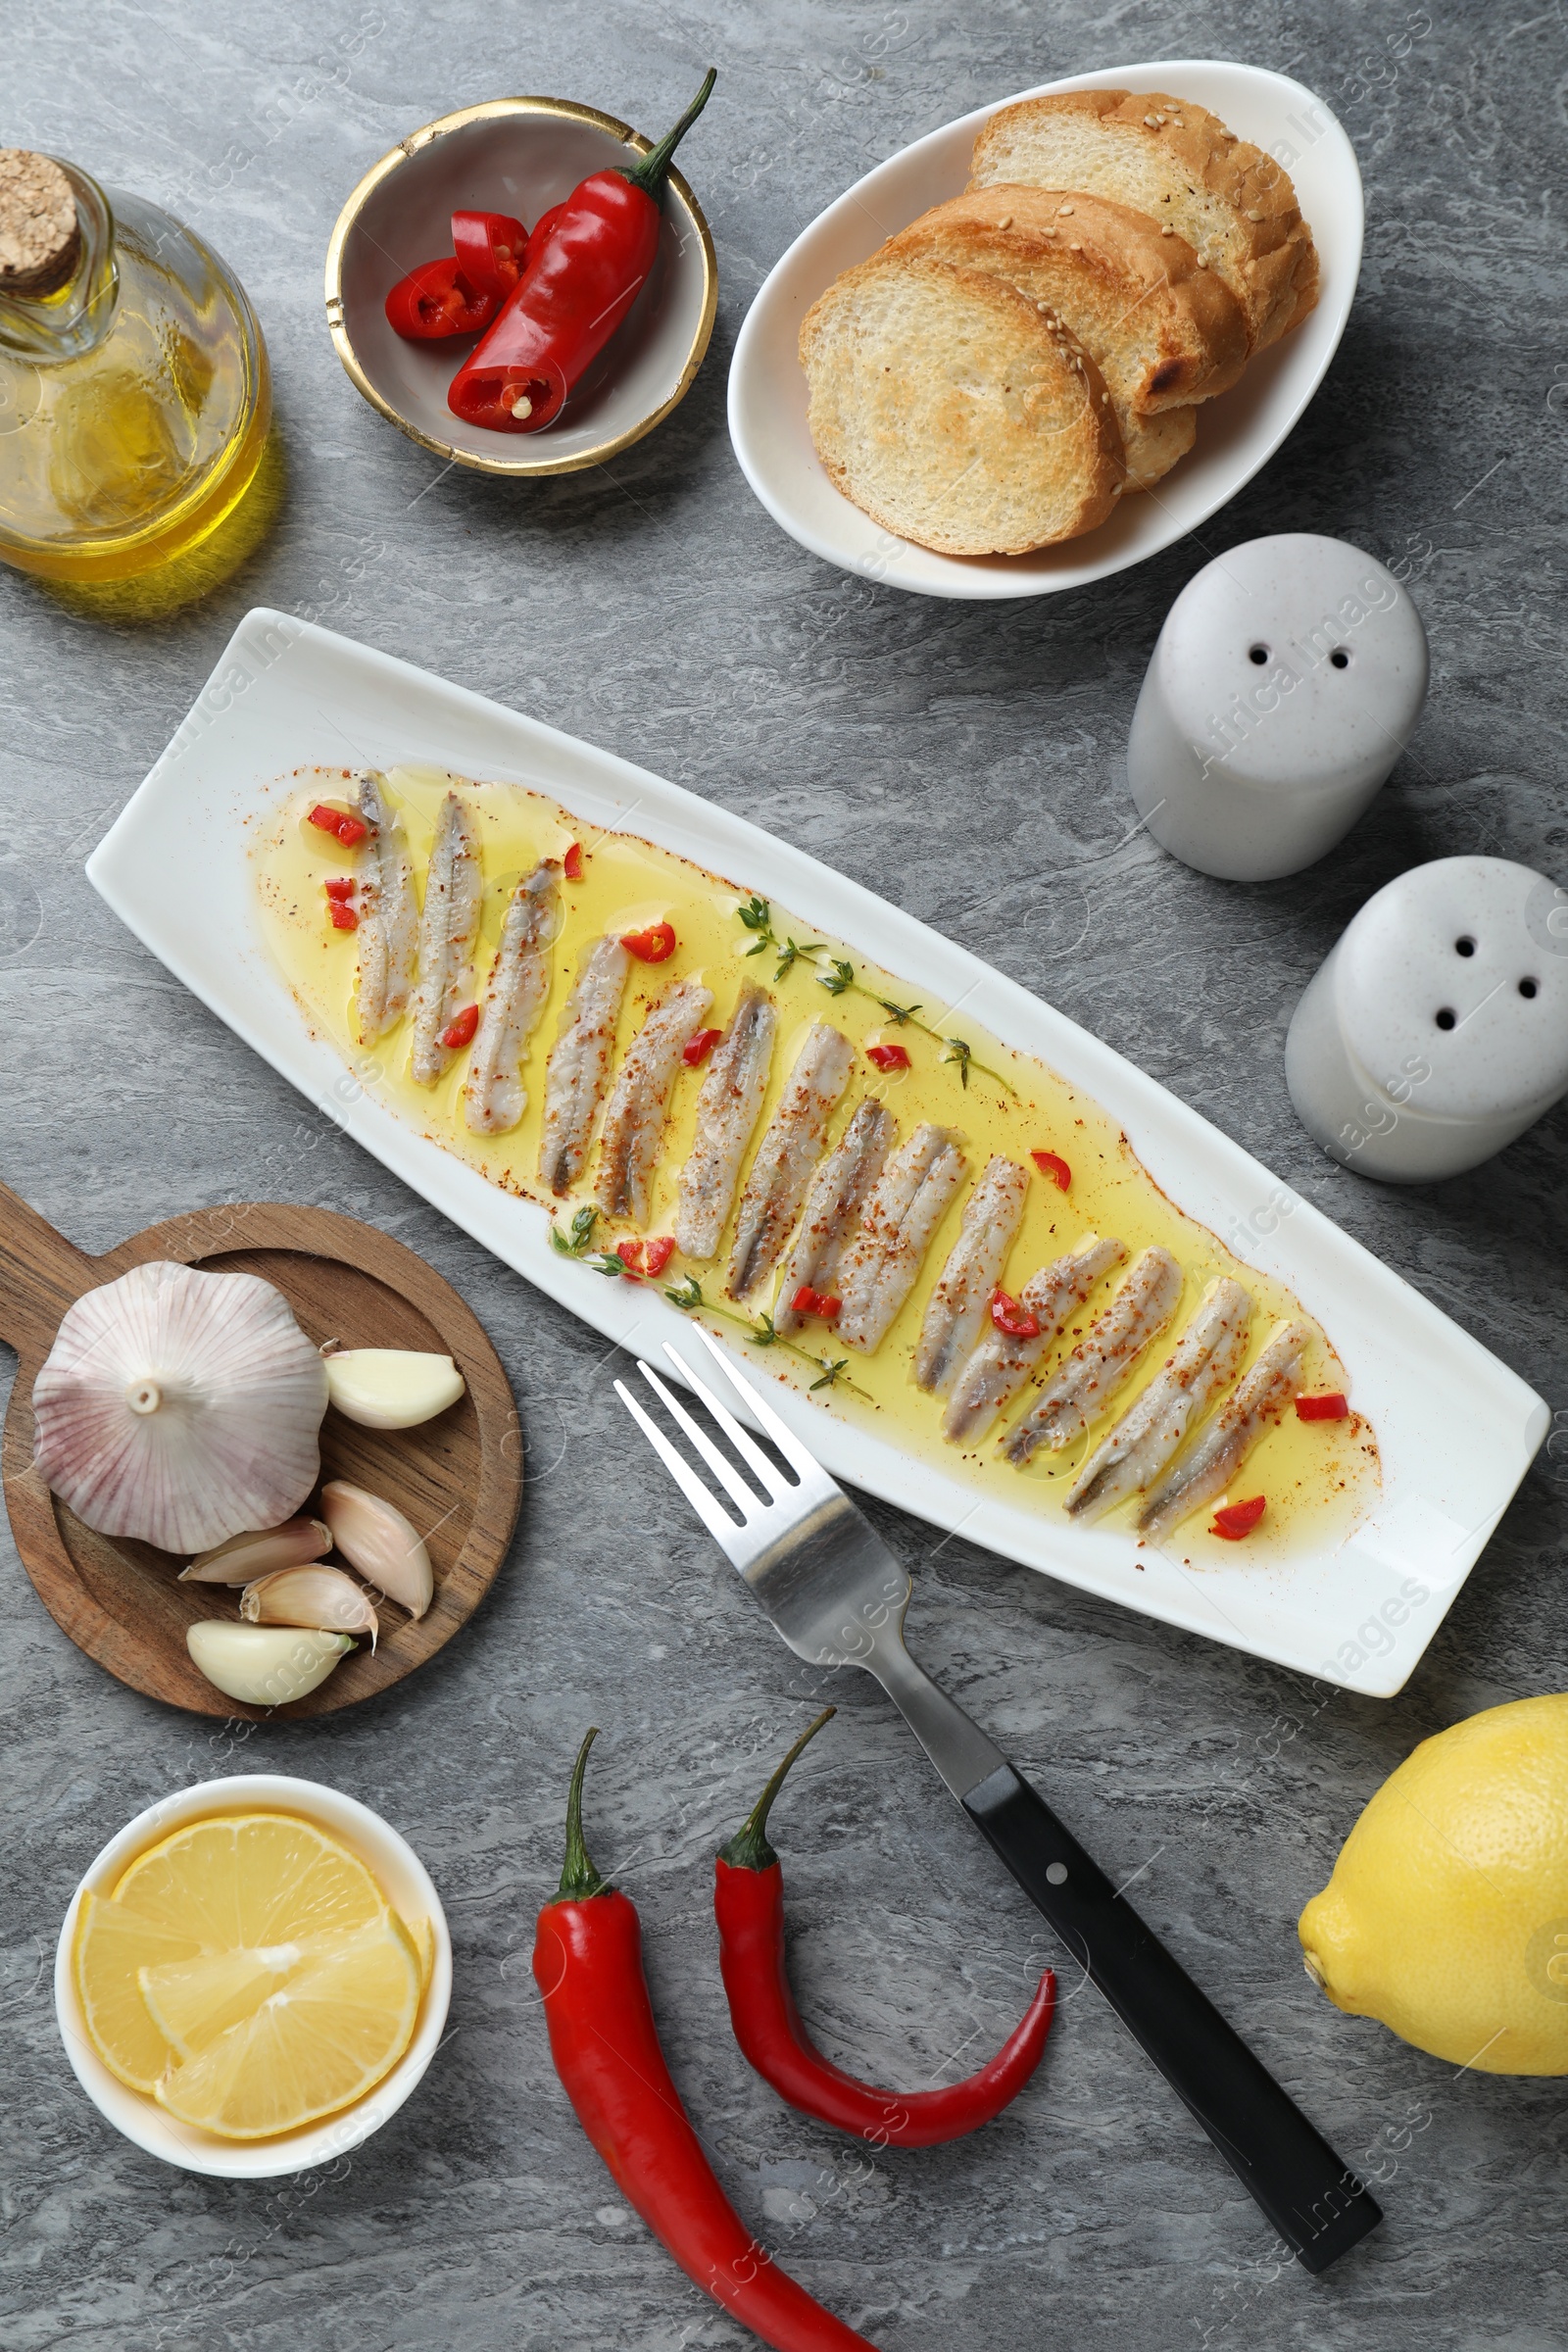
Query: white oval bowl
point(402, 1880)
point(1237, 434)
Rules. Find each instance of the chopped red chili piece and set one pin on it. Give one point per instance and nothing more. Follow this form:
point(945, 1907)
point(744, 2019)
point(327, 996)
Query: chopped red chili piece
point(460, 1031)
point(1332, 1406)
point(572, 864)
point(341, 917)
point(348, 829)
point(699, 1047)
point(1052, 1165)
point(630, 1254)
point(658, 1252)
point(1234, 1520)
point(351, 832)
point(808, 1302)
point(490, 248)
point(341, 885)
point(651, 945)
point(1015, 1321)
point(887, 1058)
point(436, 300)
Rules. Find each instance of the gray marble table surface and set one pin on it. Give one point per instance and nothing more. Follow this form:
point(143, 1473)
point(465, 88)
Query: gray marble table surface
point(966, 760)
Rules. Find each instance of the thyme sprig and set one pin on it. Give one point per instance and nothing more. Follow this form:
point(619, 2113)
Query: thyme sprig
point(839, 979)
point(761, 1332)
point(578, 1236)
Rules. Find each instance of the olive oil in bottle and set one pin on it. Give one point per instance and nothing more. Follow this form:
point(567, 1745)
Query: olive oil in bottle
point(135, 399)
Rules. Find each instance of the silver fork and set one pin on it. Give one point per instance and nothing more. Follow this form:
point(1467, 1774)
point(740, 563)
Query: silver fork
point(838, 1596)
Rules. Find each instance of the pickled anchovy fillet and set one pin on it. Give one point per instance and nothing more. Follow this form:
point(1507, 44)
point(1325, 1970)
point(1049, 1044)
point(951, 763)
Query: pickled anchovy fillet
point(1103, 1358)
point(389, 919)
point(449, 923)
point(1255, 1403)
point(727, 1109)
point(579, 1062)
point(881, 1263)
point(1203, 1362)
point(961, 1301)
point(790, 1148)
point(494, 1097)
point(838, 1194)
point(1001, 1365)
point(639, 1100)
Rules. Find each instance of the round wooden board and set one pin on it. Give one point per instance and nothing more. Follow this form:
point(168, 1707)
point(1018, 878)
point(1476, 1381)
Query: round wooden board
point(458, 1477)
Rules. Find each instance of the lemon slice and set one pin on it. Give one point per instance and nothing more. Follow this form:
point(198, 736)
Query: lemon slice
point(336, 2023)
point(421, 1933)
point(111, 1944)
point(217, 1929)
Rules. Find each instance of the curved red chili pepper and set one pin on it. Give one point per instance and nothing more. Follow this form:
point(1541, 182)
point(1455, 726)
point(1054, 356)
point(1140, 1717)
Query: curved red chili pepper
point(587, 1962)
point(490, 248)
point(435, 301)
point(1052, 1165)
point(580, 281)
point(749, 1904)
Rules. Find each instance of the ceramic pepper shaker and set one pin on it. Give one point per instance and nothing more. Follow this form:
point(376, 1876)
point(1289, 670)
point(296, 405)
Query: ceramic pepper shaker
point(1437, 1030)
point(1286, 681)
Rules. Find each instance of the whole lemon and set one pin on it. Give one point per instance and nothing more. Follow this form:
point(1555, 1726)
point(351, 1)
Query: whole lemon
point(1446, 1916)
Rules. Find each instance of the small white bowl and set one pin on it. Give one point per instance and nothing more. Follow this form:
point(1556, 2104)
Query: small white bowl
point(1237, 434)
point(402, 1880)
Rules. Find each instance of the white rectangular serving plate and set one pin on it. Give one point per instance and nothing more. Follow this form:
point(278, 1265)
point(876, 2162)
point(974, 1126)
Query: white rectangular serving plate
point(1237, 434)
point(176, 868)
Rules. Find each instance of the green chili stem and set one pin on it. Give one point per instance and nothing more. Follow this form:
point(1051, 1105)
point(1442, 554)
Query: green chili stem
point(578, 1877)
point(651, 174)
point(748, 1849)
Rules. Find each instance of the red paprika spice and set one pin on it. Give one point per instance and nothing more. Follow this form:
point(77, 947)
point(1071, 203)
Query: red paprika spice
point(587, 1962)
point(581, 277)
point(748, 1905)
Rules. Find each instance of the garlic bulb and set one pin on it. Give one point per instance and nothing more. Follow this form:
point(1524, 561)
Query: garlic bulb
point(391, 1388)
point(180, 1408)
point(318, 1597)
point(380, 1544)
point(262, 1552)
point(267, 1665)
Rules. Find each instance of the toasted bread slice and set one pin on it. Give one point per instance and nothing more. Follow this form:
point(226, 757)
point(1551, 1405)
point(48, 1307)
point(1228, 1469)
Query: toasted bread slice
point(1162, 331)
point(956, 415)
point(1178, 163)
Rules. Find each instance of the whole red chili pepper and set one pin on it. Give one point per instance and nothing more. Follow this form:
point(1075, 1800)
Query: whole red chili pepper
point(587, 1962)
point(581, 280)
point(435, 301)
point(749, 1904)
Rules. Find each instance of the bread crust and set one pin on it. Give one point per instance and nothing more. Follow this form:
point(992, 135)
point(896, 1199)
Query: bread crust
point(949, 410)
point(1271, 264)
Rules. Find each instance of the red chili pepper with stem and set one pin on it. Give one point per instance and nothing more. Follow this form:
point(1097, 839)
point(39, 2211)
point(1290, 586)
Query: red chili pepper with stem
point(587, 1962)
point(749, 1904)
point(435, 301)
point(580, 281)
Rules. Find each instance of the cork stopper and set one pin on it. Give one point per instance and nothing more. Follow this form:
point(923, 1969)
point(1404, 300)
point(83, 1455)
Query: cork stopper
point(39, 238)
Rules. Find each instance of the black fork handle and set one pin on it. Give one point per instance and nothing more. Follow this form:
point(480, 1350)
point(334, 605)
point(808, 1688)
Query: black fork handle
point(1316, 2203)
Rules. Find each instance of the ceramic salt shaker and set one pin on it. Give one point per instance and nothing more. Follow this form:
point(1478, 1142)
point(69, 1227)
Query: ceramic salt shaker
point(1286, 681)
point(1437, 1030)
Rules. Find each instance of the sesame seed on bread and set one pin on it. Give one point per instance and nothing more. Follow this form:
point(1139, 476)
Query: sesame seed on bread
point(1178, 163)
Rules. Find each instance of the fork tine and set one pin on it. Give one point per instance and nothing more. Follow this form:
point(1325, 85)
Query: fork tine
point(784, 1438)
point(717, 1523)
point(741, 1438)
point(725, 1472)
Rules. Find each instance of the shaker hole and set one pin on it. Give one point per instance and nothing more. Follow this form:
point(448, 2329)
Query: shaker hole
point(1339, 658)
point(1258, 654)
point(1465, 946)
point(1527, 988)
point(1448, 1017)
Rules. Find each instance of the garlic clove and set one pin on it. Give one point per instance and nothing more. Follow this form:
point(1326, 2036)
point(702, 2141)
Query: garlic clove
point(180, 1408)
point(263, 1552)
point(266, 1665)
point(392, 1388)
point(376, 1540)
point(318, 1597)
